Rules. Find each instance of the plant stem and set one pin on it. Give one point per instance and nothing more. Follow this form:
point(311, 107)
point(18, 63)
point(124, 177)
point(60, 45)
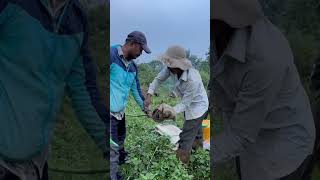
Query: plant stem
point(152, 157)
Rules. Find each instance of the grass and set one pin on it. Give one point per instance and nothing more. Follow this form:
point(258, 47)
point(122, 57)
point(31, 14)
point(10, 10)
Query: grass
point(316, 173)
point(72, 148)
point(151, 155)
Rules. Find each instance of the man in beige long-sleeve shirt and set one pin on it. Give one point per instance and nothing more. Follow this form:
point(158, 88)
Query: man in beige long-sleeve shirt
point(268, 124)
point(194, 99)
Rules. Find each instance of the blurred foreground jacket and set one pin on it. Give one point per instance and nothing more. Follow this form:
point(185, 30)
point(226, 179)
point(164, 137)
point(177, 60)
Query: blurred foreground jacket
point(41, 55)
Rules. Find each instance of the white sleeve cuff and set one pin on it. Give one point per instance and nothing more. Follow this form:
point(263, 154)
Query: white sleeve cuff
point(179, 108)
point(151, 91)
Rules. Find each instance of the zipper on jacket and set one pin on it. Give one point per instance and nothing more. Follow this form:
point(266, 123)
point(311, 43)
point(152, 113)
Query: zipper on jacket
point(127, 70)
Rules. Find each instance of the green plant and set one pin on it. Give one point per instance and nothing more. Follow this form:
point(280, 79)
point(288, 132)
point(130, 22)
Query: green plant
point(152, 156)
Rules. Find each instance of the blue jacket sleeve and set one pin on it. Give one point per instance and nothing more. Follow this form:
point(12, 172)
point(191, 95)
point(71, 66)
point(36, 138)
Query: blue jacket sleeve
point(136, 91)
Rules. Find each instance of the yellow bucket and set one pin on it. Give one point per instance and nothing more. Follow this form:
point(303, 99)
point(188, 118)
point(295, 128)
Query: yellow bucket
point(206, 130)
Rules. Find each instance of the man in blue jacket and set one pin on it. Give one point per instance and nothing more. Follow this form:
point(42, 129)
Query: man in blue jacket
point(43, 51)
point(123, 80)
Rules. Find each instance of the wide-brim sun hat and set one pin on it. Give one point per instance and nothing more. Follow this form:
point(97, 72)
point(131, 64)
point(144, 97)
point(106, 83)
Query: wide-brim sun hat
point(236, 13)
point(176, 57)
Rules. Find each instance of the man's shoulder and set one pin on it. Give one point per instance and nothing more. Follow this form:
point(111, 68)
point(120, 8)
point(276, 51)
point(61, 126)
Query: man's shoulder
point(192, 72)
point(113, 49)
point(194, 75)
point(135, 65)
point(268, 44)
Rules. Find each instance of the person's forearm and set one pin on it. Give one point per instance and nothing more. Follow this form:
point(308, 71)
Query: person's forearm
point(161, 77)
point(153, 87)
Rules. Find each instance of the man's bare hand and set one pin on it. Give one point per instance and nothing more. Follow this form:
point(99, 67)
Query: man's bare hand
point(147, 102)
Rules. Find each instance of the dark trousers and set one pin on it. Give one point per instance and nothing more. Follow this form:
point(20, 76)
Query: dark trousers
point(192, 130)
point(118, 135)
point(5, 174)
point(114, 162)
point(298, 174)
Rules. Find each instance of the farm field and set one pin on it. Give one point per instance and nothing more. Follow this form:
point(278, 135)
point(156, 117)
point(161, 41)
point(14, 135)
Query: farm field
point(73, 149)
point(151, 155)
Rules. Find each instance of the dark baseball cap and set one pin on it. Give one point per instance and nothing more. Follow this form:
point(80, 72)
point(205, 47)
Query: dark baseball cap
point(139, 37)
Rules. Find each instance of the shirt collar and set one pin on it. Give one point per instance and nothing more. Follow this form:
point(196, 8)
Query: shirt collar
point(59, 8)
point(47, 5)
point(120, 53)
point(184, 75)
point(237, 47)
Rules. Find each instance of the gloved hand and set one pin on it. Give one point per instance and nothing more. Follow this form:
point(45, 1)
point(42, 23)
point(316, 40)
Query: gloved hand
point(162, 112)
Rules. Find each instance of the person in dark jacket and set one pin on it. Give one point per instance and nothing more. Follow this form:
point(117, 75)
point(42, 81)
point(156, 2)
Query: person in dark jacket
point(43, 53)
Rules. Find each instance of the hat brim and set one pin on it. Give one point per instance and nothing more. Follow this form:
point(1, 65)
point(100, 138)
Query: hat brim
point(183, 64)
point(146, 49)
point(237, 14)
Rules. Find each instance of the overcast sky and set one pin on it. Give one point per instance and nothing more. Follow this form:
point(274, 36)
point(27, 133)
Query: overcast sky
point(165, 23)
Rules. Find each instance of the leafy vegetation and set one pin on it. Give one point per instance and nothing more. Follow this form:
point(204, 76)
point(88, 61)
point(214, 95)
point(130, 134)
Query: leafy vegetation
point(151, 155)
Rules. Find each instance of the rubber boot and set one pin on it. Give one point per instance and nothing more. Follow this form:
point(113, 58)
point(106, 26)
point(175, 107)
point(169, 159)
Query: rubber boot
point(197, 143)
point(123, 156)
